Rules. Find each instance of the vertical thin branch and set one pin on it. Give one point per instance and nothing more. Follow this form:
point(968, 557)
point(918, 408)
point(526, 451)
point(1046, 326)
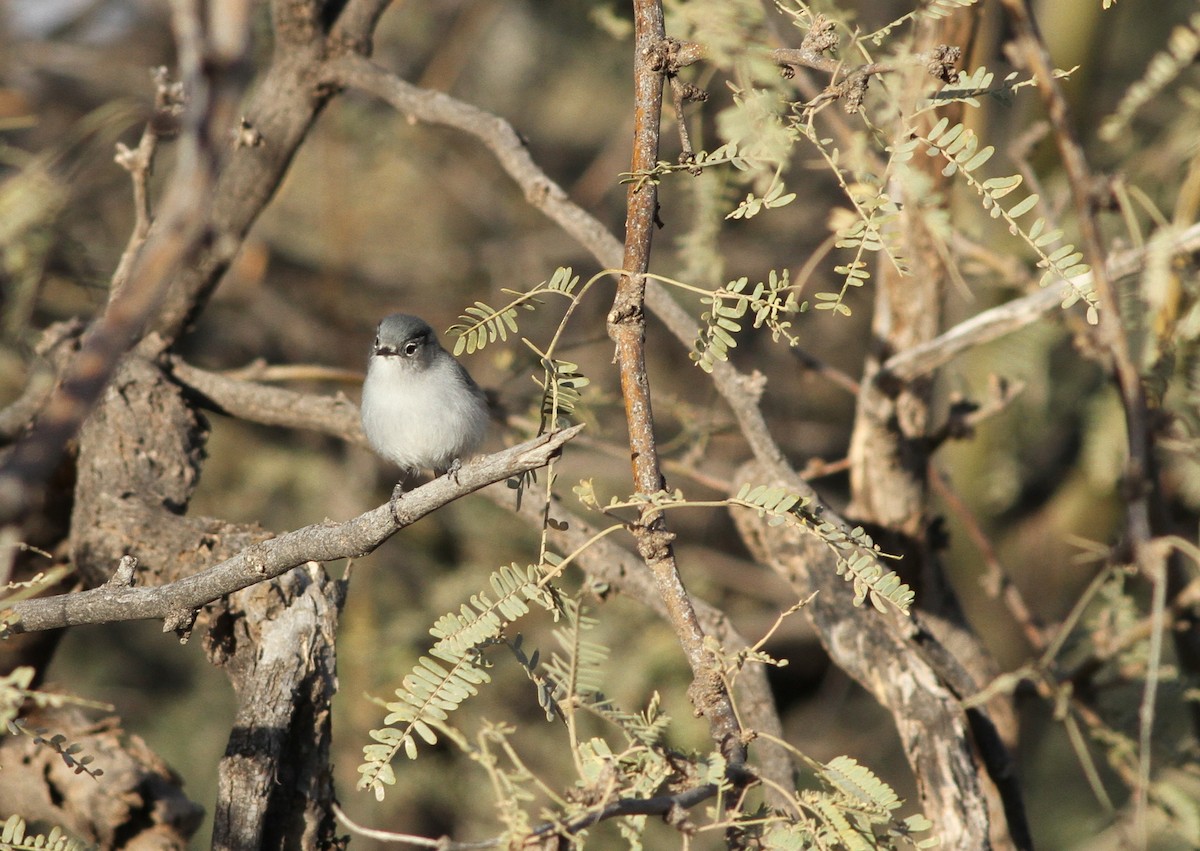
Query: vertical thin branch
point(1140, 469)
point(627, 328)
point(1141, 513)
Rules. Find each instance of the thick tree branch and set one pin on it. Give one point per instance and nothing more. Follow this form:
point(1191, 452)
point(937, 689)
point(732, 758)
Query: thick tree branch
point(273, 406)
point(175, 242)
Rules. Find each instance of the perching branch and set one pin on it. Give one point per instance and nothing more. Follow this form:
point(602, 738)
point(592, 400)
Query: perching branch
point(177, 603)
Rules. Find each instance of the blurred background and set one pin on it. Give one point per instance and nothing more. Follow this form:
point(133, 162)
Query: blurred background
point(378, 215)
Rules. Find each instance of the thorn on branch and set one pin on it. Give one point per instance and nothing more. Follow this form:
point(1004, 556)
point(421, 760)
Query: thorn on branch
point(169, 102)
point(667, 57)
point(677, 817)
point(180, 622)
point(680, 92)
point(852, 92)
point(123, 576)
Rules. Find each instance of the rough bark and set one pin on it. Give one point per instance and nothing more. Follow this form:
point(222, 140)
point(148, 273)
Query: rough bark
point(956, 756)
point(889, 458)
point(276, 641)
point(137, 803)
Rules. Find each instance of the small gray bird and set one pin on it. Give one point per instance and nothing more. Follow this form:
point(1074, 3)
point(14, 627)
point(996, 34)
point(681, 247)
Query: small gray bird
point(420, 408)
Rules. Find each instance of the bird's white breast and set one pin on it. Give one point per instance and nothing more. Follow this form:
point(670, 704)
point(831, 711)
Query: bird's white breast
point(421, 418)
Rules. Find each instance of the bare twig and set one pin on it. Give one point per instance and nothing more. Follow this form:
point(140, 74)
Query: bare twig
point(997, 581)
point(139, 162)
point(1014, 315)
point(272, 405)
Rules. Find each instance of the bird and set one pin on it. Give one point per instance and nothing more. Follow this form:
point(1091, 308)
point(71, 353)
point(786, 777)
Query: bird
point(421, 409)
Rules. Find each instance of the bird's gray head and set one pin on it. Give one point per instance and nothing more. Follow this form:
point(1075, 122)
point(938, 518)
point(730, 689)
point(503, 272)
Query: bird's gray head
point(406, 340)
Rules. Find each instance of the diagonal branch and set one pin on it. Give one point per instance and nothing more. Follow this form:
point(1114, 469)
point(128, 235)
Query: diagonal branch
point(1014, 315)
point(176, 241)
point(177, 602)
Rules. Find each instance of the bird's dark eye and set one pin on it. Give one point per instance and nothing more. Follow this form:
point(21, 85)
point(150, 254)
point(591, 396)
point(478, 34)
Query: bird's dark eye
point(411, 348)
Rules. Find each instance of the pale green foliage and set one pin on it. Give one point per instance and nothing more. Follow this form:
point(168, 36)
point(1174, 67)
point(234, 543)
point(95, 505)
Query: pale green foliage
point(71, 753)
point(482, 324)
point(15, 692)
point(14, 838)
point(959, 146)
point(576, 672)
point(561, 380)
point(768, 302)
point(852, 810)
point(856, 809)
point(1178, 796)
point(434, 689)
point(930, 10)
point(754, 126)
point(858, 556)
point(873, 212)
point(752, 205)
point(1179, 55)
point(698, 252)
point(14, 689)
point(1117, 613)
point(968, 87)
point(561, 384)
point(851, 806)
point(720, 27)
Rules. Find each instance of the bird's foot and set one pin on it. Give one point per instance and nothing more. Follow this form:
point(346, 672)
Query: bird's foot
point(453, 469)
